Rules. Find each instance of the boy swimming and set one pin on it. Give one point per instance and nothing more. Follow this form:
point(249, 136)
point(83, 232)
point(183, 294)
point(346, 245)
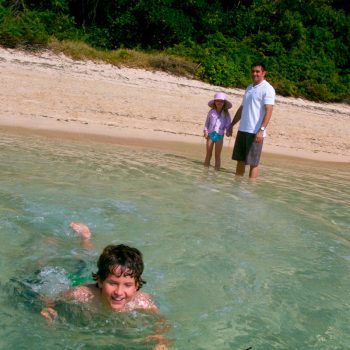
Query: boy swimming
point(118, 281)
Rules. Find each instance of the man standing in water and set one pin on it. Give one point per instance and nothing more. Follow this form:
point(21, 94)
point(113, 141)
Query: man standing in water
point(254, 115)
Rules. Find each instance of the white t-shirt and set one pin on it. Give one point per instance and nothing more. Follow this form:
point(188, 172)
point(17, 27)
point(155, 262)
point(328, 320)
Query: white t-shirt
point(254, 100)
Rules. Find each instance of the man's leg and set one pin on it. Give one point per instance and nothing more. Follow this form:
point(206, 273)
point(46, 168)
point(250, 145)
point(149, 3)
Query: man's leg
point(253, 172)
point(239, 152)
point(240, 168)
point(253, 157)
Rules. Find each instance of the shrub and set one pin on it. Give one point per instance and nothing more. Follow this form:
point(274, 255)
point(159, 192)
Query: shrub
point(21, 28)
point(173, 64)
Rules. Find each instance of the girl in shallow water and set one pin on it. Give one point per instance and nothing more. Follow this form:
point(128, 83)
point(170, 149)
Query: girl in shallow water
point(118, 282)
point(217, 123)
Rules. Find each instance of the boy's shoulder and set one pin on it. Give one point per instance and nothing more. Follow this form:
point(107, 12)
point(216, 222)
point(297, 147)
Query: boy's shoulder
point(83, 292)
point(141, 301)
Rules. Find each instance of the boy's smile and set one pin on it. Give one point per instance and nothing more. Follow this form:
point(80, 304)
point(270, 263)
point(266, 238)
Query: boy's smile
point(117, 290)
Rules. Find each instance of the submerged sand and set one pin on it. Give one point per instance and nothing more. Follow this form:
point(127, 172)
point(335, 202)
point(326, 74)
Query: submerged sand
point(59, 97)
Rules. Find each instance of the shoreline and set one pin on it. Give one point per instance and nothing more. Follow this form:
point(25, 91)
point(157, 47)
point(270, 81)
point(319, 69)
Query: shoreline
point(187, 145)
point(54, 96)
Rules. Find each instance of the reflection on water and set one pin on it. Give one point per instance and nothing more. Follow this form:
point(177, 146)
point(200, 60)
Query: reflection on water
point(232, 264)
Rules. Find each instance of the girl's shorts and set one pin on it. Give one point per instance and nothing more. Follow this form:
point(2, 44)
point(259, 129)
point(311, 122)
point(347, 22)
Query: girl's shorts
point(214, 136)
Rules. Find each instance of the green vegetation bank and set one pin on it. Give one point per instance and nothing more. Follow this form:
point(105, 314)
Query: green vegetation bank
point(304, 43)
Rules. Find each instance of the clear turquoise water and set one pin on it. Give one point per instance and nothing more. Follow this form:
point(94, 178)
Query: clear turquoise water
point(231, 264)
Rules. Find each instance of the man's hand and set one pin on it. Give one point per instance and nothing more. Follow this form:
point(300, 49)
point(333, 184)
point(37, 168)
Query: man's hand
point(259, 136)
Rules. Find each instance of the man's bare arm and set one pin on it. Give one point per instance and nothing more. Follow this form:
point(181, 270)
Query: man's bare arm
point(235, 120)
point(268, 112)
point(237, 116)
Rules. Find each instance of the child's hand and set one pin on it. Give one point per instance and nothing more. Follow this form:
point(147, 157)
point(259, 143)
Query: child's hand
point(162, 342)
point(229, 132)
point(205, 134)
point(49, 313)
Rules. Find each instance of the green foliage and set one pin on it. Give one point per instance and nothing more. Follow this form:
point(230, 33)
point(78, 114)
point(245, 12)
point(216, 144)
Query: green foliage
point(305, 44)
point(133, 58)
point(23, 28)
point(173, 64)
point(33, 24)
point(222, 60)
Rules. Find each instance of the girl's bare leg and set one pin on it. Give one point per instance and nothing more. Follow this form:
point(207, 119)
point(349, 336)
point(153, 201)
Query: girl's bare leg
point(210, 146)
point(218, 148)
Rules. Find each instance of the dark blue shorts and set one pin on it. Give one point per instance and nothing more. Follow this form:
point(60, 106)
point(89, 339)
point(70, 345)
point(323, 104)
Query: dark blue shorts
point(246, 150)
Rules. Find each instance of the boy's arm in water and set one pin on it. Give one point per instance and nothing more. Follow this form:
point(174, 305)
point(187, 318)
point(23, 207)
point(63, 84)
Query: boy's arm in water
point(144, 301)
point(49, 313)
point(162, 342)
point(160, 328)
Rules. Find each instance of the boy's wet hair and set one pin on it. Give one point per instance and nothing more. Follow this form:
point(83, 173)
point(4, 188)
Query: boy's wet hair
point(128, 259)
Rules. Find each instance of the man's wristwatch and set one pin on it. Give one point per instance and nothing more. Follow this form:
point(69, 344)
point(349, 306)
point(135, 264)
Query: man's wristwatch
point(262, 128)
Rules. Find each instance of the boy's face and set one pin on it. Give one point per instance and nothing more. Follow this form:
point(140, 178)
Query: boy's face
point(117, 289)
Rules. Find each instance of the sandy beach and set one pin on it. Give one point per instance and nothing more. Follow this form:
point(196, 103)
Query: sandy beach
point(53, 95)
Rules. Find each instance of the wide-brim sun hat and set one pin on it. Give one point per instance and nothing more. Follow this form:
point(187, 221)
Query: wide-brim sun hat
point(220, 96)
